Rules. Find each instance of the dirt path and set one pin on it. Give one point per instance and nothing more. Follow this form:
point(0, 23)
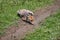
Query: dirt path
point(16, 33)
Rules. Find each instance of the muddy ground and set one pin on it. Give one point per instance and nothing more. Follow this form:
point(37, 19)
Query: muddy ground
point(19, 32)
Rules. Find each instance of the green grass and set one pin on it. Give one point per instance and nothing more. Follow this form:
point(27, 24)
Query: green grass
point(49, 30)
point(8, 10)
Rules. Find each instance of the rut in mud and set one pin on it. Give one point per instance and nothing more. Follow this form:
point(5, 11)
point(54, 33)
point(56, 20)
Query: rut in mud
point(17, 33)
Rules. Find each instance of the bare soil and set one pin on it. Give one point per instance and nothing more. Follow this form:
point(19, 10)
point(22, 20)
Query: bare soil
point(19, 32)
